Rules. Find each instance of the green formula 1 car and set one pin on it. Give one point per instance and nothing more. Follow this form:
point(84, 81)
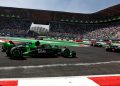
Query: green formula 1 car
point(34, 49)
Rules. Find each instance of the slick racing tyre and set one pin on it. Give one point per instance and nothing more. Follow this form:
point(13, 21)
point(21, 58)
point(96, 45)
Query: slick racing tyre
point(73, 54)
point(16, 54)
point(3, 49)
point(8, 53)
point(65, 52)
point(108, 50)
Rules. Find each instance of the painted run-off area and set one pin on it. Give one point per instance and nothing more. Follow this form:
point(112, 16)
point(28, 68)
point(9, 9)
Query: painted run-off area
point(45, 41)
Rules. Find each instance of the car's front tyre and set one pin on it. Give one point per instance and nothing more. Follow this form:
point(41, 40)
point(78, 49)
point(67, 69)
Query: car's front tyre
point(73, 54)
point(66, 52)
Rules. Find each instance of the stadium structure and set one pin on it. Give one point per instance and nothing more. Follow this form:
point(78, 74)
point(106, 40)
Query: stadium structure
point(93, 66)
point(76, 24)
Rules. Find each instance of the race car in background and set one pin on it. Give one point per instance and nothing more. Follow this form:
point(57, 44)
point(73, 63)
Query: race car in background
point(101, 43)
point(114, 47)
point(34, 49)
point(86, 42)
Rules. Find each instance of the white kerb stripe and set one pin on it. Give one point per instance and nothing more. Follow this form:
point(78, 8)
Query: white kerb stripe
point(61, 81)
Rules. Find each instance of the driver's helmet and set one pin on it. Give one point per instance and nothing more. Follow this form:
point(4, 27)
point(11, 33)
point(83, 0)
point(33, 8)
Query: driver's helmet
point(11, 42)
point(37, 43)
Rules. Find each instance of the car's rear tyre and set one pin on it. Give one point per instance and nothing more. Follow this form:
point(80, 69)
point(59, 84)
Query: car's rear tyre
point(100, 46)
point(16, 54)
point(109, 50)
point(8, 53)
point(3, 49)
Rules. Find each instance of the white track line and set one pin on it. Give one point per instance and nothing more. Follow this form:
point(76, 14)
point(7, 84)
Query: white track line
point(57, 65)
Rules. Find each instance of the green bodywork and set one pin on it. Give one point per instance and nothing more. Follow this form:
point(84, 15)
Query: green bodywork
point(7, 45)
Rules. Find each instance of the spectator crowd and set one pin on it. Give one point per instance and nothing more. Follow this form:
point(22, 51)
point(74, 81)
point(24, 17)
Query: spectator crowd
point(14, 27)
point(104, 33)
point(10, 27)
point(86, 31)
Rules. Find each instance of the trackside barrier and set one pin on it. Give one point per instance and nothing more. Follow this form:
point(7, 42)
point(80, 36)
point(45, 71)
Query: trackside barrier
point(81, 45)
point(1, 41)
point(64, 81)
point(69, 40)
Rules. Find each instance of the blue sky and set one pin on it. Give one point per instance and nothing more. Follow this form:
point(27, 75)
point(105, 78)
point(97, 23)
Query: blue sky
point(78, 6)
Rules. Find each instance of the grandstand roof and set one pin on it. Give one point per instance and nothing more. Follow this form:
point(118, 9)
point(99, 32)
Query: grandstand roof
point(45, 16)
point(110, 11)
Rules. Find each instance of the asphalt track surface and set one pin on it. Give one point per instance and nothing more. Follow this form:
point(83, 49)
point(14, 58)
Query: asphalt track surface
point(89, 61)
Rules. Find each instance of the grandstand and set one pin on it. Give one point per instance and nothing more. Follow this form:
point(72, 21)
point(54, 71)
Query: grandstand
point(104, 24)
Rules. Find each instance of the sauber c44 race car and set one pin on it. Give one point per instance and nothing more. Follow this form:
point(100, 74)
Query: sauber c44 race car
point(34, 49)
